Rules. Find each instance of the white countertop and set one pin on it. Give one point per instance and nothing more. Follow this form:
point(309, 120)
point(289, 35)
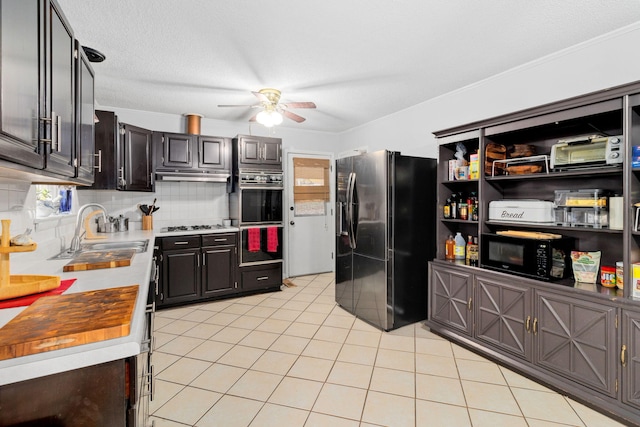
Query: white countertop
point(139, 272)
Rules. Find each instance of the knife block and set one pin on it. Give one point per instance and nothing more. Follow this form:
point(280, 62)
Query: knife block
point(147, 222)
point(12, 286)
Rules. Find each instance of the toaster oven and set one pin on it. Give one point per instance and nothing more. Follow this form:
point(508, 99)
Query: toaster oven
point(593, 150)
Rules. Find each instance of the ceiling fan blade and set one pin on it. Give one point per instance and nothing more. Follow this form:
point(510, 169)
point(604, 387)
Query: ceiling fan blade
point(262, 97)
point(298, 105)
point(293, 116)
point(253, 118)
point(246, 105)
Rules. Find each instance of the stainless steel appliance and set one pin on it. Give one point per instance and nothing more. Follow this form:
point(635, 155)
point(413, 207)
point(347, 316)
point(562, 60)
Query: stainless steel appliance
point(256, 207)
point(258, 198)
point(592, 150)
point(385, 235)
point(540, 258)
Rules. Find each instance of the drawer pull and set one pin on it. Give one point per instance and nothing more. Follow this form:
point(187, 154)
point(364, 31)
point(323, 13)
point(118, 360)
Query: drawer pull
point(263, 278)
point(623, 355)
point(220, 240)
point(180, 243)
point(469, 304)
point(528, 324)
point(535, 326)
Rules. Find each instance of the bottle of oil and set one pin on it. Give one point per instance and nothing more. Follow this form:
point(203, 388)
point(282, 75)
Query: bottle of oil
point(449, 248)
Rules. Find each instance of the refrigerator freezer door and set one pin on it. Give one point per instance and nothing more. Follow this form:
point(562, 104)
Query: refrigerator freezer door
point(370, 209)
point(344, 272)
point(370, 291)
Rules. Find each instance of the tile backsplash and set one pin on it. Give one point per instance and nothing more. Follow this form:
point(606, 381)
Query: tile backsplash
point(187, 203)
point(181, 203)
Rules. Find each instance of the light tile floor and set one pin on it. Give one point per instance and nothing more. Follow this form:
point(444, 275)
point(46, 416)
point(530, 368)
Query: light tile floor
point(295, 358)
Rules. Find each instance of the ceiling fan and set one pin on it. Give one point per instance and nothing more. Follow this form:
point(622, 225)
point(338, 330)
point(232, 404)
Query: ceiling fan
point(272, 109)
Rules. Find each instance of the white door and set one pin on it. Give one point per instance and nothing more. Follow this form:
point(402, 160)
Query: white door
point(309, 213)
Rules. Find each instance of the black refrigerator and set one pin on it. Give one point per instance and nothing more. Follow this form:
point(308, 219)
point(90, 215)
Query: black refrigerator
point(385, 236)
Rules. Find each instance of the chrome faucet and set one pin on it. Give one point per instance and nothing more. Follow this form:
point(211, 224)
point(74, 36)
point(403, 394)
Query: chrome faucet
point(75, 241)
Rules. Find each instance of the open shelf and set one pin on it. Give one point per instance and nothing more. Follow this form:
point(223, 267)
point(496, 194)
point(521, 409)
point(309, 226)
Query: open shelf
point(538, 225)
point(575, 173)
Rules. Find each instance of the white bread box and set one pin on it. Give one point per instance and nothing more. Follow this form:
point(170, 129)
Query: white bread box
point(522, 210)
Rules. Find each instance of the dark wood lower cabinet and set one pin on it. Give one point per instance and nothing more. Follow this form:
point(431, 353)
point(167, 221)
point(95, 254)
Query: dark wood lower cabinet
point(630, 357)
point(204, 267)
point(92, 396)
point(267, 276)
point(577, 339)
point(450, 298)
point(580, 344)
point(181, 274)
point(503, 315)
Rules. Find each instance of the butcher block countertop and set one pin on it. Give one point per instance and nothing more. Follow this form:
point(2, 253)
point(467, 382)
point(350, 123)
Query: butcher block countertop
point(21, 368)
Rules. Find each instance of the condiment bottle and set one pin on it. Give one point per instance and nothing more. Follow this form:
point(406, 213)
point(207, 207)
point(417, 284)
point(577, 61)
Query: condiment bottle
point(446, 209)
point(454, 206)
point(463, 211)
point(449, 248)
point(472, 250)
point(460, 246)
point(468, 250)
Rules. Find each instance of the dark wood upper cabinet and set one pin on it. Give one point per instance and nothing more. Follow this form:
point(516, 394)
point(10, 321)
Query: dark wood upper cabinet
point(85, 122)
point(59, 99)
point(106, 134)
point(136, 165)
point(213, 152)
point(177, 150)
point(257, 152)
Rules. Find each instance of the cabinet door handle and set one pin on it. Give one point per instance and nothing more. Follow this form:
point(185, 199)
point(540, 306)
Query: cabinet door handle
point(535, 326)
point(263, 278)
point(59, 133)
point(528, 324)
point(204, 260)
point(99, 156)
point(469, 304)
point(623, 355)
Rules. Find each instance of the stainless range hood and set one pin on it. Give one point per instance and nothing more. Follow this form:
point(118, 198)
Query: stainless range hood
point(191, 176)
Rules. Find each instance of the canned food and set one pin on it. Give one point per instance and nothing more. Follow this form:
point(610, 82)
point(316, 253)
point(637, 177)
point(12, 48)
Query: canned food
point(608, 276)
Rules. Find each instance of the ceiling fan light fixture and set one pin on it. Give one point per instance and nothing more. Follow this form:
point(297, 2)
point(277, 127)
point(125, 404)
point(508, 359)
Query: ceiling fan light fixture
point(269, 118)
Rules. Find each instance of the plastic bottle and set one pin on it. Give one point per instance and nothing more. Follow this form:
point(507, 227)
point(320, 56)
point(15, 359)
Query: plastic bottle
point(460, 246)
point(472, 252)
point(449, 248)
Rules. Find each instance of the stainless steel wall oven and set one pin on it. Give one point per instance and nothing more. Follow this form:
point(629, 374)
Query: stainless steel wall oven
point(256, 207)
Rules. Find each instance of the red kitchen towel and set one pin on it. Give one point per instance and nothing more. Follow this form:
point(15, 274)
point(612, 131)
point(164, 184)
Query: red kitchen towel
point(254, 239)
point(272, 239)
point(30, 299)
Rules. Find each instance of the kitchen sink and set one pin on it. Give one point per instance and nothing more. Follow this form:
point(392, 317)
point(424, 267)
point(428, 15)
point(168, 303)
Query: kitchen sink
point(138, 245)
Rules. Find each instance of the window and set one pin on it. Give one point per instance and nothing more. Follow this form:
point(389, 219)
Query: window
point(311, 191)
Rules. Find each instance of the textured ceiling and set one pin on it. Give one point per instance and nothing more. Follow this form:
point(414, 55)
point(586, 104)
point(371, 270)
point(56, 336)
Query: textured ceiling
point(358, 60)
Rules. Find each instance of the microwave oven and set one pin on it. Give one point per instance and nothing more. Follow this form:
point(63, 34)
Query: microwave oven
point(542, 259)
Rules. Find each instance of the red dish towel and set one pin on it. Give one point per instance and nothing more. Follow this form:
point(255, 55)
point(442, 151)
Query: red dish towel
point(272, 239)
point(254, 239)
point(30, 299)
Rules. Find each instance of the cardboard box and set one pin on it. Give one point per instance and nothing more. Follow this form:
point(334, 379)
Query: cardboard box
point(636, 279)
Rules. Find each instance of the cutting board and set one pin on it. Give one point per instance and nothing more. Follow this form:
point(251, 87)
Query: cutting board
point(101, 259)
point(61, 321)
